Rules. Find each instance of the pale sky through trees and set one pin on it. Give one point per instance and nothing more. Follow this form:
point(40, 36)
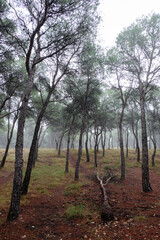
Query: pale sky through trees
point(118, 14)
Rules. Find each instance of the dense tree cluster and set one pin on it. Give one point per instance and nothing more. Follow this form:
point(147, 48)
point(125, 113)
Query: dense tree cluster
point(59, 88)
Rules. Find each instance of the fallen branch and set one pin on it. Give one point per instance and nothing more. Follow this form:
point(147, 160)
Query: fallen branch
point(107, 212)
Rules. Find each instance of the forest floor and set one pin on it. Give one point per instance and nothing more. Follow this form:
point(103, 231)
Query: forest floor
point(72, 210)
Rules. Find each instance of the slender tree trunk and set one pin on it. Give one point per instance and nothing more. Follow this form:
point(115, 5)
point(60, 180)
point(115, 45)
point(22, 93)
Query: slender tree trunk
point(127, 136)
point(135, 133)
point(68, 145)
point(145, 168)
point(90, 141)
point(121, 146)
point(154, 153)
point(60, 143)
point(95, 155)
point(8, 143)
point(72, 143)
point(86, 146)
point(56, 144)
point(103, 141)
point(79, 154)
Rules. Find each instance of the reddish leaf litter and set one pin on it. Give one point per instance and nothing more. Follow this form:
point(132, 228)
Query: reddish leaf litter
point(136, 214)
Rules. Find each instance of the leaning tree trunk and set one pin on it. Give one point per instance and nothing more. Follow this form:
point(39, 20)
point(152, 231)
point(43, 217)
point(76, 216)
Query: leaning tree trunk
point(145, 168)
point(8, 143)
point(33, 148)
point(17, 182)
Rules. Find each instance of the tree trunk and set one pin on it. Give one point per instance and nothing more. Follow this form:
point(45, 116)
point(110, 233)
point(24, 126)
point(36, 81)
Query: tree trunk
point(86, 146)
point(154, 153)
point(90, 141)
point(103, 141)
point(34, 148)
point(121, 146)
point(60, 143)
point(17, 182)
point(8, 143)
point(72, 143)
point(68, 145)
point(145, 168)
point(135, 133)
point(127, 135)
point(79, 154)
point(153, 139)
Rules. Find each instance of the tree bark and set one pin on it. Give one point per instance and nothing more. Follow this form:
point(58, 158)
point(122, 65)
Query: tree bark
point(127, 136)
point(68, 146)
point(145, 168)
point(121, 146)
point(33, 148)
point(135, 133)
point(76, 178)
point(17, 182)
point(86, 146)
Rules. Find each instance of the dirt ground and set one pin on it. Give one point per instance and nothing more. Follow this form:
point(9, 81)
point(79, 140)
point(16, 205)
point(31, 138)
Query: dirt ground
point(136, 214)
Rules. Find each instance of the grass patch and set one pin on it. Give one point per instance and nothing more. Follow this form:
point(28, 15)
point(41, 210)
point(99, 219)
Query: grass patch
point(77, 211)
point(73, 189)
point(139, 218)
